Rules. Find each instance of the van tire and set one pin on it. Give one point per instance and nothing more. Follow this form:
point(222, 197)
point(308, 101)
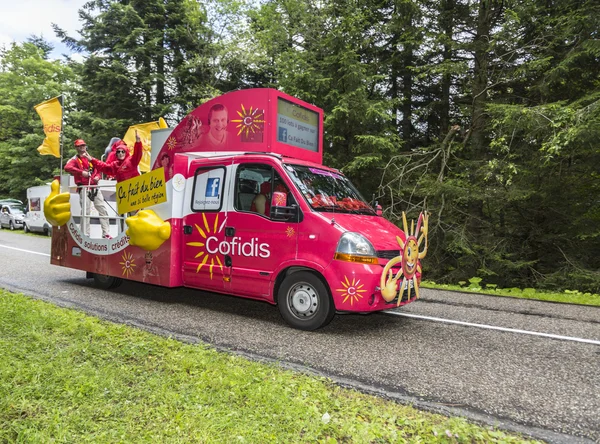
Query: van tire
point(106, 282)
point(304, 301)
point(26, 228)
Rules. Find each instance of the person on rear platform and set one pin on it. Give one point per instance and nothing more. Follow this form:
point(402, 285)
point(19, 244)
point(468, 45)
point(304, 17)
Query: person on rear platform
point(125, 166)
point(86, 178)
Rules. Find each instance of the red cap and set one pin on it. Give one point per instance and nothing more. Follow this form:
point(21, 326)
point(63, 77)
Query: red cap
point(79, 142)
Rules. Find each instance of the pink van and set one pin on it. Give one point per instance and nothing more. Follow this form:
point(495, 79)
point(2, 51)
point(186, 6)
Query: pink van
point(254, 213)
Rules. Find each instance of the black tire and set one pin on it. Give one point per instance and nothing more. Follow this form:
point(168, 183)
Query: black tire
point(304, 301)
point(106, 282)
point(26, 228)
point(11, 225)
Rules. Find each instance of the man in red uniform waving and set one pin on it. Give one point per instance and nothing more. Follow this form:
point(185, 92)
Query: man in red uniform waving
point(86, 175)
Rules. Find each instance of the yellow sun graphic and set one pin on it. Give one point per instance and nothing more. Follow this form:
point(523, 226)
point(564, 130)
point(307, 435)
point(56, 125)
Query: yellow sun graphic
point(352, 290)
point(409, 257)
point(249, 120)
point(290, 232)
point(171, 142)
point(210, 259)
point(127, 264)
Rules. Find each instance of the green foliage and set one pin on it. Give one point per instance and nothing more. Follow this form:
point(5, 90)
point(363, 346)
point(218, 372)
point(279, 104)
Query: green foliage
point(146, 60)
point(567, 296)
point(27, 78)
point(67, 377)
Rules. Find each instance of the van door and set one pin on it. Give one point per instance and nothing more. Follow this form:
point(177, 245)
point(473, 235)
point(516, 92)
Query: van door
point(260, 243)
point(203, 265)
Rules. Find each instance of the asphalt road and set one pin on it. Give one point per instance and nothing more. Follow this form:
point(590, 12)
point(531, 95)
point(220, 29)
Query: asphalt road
point(544, 386)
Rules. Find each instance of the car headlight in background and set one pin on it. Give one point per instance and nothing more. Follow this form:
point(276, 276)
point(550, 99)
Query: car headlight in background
point(354, 247)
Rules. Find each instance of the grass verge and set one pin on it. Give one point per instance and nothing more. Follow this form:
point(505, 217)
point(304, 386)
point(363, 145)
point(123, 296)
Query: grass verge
point(567, 297)
point(69, 377)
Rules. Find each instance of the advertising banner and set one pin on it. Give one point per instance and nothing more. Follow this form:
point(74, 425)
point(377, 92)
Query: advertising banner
point(141, 191)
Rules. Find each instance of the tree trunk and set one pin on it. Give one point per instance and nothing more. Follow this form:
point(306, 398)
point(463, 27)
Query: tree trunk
point(480, 75)
point(447, 26)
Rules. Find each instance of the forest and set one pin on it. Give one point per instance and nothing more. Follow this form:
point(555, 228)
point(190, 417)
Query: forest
point(485, 113)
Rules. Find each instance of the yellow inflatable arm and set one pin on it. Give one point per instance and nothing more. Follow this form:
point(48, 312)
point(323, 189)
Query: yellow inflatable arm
point(57, 206)
point(147, 230)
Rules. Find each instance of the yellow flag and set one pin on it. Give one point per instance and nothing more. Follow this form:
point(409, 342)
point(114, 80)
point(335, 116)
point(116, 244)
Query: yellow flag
point(51, 113)
point(144, 131)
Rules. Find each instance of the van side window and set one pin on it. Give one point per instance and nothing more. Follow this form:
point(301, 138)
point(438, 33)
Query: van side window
point(248, 182)
point(254, 188)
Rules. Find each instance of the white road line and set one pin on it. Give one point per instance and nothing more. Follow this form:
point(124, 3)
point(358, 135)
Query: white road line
point(26, 251)
point(493, 327)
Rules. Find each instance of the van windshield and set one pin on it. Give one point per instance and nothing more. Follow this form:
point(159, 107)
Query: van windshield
point(328, 191)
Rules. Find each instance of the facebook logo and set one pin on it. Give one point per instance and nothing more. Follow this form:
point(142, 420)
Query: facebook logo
point(212, 187)
point(282, 134)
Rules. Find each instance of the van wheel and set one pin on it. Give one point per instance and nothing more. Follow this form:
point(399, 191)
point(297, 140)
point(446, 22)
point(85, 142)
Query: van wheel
point(304, 302)
point(26, 228)
point(106, 282)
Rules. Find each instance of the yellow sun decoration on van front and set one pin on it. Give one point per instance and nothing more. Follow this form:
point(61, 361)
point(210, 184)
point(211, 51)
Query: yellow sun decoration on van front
point(128, 264)
point(352, 290)
point(210, 260)
point(409, 260)
point(249, 120)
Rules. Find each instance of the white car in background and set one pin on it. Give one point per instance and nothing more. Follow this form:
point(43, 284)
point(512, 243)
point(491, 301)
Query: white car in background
point(12, 215)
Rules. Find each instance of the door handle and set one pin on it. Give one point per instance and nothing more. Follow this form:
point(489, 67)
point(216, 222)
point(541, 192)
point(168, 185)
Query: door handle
point(187, 229)
point(229, 231)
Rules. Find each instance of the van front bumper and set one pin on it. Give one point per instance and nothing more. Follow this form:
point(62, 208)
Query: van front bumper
point(356, 287)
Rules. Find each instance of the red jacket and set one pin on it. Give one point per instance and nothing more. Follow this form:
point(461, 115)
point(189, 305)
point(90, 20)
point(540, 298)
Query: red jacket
point(122, 169)
point(76, 166)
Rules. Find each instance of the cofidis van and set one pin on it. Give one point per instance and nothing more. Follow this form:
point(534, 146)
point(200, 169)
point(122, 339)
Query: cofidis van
point(250, 210)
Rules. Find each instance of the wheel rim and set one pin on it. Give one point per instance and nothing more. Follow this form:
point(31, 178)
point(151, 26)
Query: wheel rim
point(303, 300)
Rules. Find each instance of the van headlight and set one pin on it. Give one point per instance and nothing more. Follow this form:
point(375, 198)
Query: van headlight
point(354, 247)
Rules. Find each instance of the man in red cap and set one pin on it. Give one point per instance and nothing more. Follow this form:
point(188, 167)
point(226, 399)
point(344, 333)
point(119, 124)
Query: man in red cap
point(86, 176)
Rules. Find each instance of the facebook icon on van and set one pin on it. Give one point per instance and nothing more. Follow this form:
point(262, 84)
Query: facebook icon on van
point(212, 187)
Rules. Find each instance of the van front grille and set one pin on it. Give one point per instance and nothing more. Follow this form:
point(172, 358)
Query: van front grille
point(388, 254)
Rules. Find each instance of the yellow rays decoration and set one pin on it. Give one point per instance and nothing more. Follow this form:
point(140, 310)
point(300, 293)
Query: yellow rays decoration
point(128, 264)
point(171, 143)
point(352, 290)
point(248, 121)
point(210, 259)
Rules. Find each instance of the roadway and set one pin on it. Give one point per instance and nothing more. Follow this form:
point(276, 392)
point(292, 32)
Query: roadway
point(526, 366)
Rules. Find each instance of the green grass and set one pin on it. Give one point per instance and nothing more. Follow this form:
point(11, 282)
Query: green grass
point(567, 297)
point(68, 377)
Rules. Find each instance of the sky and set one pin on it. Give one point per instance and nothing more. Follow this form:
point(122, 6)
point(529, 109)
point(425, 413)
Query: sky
point(19, 19)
